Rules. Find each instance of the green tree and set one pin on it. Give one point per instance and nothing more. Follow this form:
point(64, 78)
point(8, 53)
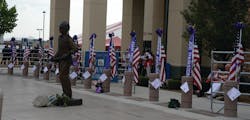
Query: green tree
point(8, 17)
point(214, 21)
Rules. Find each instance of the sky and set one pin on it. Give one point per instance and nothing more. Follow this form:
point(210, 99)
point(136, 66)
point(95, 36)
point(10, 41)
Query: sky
point(30, 17)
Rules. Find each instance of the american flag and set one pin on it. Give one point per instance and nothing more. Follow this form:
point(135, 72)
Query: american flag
point(236, 63)
point(13, 51)
point(26, 51)
point(196, 68)
point(26, 54)
point(51, 51)
point(92, 51)
point(163, 59)
point(40, 51)
point(78, 56)
point(136, 58)
point(112, 60)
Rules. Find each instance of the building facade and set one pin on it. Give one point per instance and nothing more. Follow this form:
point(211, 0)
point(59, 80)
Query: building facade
point(141, 16)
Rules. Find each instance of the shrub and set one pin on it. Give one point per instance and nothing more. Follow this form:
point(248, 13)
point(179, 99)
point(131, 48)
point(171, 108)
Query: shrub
point(143, 81)
point(174, 84)
point(164, 85)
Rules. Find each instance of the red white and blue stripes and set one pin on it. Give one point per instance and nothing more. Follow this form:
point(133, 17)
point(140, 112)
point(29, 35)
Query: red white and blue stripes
point(162, 68)
point(26, 54)
point(13, 51)
point(135, 63)
point(236, 62)
point(196, 68)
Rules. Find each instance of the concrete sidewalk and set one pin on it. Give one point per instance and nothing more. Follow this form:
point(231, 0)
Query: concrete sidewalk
point(19, 92)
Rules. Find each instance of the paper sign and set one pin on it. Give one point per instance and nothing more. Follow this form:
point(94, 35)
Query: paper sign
point(233, 93)
point(22, 66)
point(86, 75)
point(45, 69)
point(11, 65)
point(34, 68)
point(73, 75)
point(184, 87)
point(123, 79)
point(103, 77)
point(57, 71)
point(156, 83)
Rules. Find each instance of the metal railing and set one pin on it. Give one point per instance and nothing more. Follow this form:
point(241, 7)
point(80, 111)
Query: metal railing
point(35, 57)
point(242, 73)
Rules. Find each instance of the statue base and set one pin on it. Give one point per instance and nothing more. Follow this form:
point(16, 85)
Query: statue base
point(71, 102)
point(75, 102)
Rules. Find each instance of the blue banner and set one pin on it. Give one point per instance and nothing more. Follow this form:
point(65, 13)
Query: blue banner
point(131, 49)
point(158, 51)
point(191, 31)
point(101, 59)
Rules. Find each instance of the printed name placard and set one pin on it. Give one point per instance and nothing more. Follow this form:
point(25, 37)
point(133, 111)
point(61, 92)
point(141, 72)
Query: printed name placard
point(156, 83)
point(123, 79)
point(73, 75)
point(86, 75)
point(57, 71)
point(34, 68)
point(11, 65)
point(103, 77)
point(45, 69)
point(233, 93)
point(184, 87)
point(22, 66)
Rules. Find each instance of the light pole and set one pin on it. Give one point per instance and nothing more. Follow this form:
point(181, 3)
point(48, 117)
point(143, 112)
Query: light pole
point(39, 30)
point(43, 23)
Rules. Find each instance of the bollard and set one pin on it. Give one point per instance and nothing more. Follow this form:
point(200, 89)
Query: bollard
point(153, 93)
point(88, 82)
point(186, 98)
point(73, 82)
point(127, 89)
point(26, 68)
point(230, 107)
point(57, 79)
point(1, 103)
point(10, 70)
point(37, 70)
point(106, 83)
point(46, 74)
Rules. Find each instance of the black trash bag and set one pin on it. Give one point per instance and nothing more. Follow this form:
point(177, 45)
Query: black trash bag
point(174, 103)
